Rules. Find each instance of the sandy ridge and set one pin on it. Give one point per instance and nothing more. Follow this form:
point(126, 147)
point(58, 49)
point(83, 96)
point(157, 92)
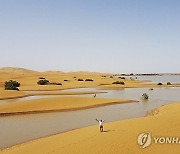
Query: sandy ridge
point(55, 104)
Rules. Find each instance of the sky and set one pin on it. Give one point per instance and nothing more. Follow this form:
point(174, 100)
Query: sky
point(115, 36)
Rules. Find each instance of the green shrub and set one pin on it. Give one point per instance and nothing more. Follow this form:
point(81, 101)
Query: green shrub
point(89, 80)
point(11, 85)
point(145, 96)
point(59, 84)
point(122, 78)
point(42, 78)
point(159, 84)
point(169, 83)
point(118, 82)
point(43, 82)
point(46, 82)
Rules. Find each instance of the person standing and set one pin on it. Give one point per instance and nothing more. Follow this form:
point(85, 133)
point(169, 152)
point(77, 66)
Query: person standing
point(100, 124)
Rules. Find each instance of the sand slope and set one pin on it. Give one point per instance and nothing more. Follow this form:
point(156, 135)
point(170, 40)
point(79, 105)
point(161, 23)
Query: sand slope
point(120, 137)
point(56, 104)
point(29, 79)
point(7, 94)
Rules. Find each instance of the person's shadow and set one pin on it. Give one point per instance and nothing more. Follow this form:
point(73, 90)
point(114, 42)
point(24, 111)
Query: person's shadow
point(106, 131)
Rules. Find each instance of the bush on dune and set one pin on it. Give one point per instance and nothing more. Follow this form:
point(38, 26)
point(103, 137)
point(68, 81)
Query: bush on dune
point(122, 78)
point(11, 85)
point(89, 80)
point(43, 82)
point(66, 80)
point(118, 82)
point(59, 84)
point(42, 78)
point(46, 82)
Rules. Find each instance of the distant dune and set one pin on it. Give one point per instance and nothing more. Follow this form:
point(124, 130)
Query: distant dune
point(16, 70)
point(23, 70)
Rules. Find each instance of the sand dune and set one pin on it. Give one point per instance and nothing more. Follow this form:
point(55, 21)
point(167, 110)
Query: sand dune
point(15, 70)
point(119, 137)
point(56, 104)
point(29, 78)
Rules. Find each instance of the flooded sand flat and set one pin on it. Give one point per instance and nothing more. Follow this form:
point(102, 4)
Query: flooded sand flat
point(22, 128)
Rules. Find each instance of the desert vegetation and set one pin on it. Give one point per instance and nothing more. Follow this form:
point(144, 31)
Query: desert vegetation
point(89, 80)
point(42, 78)
point(122, 78)
point(118, 82)
point(11, 85)
point(145, 96)
point(169, 83)
point(47, 82)
point(66, 80)
point(43, 82)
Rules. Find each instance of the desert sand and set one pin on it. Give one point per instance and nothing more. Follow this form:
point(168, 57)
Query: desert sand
point(56, 104)
point(29, 79)
point(119, 137)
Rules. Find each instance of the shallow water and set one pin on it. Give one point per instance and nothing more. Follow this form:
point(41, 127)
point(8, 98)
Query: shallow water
point(13, 100)
point(162, 78)
point(23, 128)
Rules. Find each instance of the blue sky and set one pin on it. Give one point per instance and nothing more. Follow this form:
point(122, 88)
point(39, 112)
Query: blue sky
point(118, 36)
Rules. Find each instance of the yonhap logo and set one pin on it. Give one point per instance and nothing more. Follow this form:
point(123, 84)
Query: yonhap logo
point(144, 139)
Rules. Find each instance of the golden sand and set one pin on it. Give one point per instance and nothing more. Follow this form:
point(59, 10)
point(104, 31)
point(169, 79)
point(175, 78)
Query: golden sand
point(29, 79)
point(56, 104)
point(7, 94)
point(119, 137)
